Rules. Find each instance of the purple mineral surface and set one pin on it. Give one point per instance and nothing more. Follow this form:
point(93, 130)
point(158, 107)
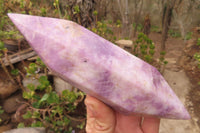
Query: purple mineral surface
point(100, 68)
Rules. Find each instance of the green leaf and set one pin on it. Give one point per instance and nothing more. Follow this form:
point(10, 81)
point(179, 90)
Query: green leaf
point(47, 119)
point(40, 62)
point(36, 97)
point(66, 121)
point(95, 13)
point(1, 110)
point(165, 62)
point(58, 110)
point(36, 105)
point(37, 124)
point(53, 98)
point(148, 58)
point(31, 87)
point(28, 95)
point(15, 72)
point(151, 51)
point(161, 59)
point(152, 46)
point(21, 125)
point(59, 123)
point(71, 107)
point(27, 115)
point(1, 45)
point(44, 83)
point(36, 114)
point(70, 96)
point(32, 68)
point(45, 97)
point(81, 126)
point(162, 53)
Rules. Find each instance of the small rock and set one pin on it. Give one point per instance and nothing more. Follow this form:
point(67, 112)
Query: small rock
point(5, 128)
point(27, 130)
point(11, 104)
point(30, 80)
point(61, 85)
point(124, 43)
point(7, 88)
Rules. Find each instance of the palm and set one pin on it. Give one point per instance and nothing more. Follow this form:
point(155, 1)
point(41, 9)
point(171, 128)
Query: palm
point(102, 119)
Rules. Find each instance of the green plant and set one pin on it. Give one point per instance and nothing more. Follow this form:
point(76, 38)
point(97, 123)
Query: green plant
point(197, 57)
point(5, 32)
point(57, 8)
point(144, 48)
point(76, 9)
point(162, 61)
point(95, 13)
point(1, 45)
point(3, 53)
point(1, 112)
point(155, 28)
point(198, 42)
point(188, 35)
point(118, 23)
point(46, 108)
point(174, 33)
point(43, 11)
point(103, 30)
point(139, 27)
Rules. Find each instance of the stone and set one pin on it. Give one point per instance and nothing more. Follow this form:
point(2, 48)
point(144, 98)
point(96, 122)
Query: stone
point(27, 130)
point(124, 43)
point(30, 80)
point(7, 88)
point(99, 68)
point(11, 104)
point(61, 85)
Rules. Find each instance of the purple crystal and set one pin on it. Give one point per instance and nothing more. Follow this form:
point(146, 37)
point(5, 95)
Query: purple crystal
point(100, 68)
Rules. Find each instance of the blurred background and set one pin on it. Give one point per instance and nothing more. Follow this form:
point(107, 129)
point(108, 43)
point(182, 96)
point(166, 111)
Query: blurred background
point(165, 34)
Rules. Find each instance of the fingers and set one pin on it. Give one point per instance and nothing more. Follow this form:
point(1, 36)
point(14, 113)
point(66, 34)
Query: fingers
point(150, 125)
point(100, 118)
point(128, 124)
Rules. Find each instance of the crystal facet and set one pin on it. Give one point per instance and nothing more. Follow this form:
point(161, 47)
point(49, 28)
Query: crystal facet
point(100, 68)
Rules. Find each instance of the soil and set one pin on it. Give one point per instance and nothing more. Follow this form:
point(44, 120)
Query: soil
point(177, 50)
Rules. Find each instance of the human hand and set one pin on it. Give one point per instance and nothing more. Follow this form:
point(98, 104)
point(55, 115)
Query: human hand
point(102, 119)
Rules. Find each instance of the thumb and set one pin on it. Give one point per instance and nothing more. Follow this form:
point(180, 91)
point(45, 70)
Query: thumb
point(100, 118)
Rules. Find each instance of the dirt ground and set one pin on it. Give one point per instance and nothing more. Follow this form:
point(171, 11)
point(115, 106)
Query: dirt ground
point(183, 81)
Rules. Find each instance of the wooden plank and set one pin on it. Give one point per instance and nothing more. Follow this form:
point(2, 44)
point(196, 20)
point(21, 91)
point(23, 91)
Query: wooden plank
point(19, 56)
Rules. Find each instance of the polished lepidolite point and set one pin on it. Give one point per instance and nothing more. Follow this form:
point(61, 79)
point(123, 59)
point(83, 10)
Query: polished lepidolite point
point(100, 68)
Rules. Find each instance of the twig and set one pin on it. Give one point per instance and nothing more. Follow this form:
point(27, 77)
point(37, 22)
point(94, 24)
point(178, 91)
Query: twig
point(8, 60)
point(19, 56)
point(6, 71)
point(75, 119)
